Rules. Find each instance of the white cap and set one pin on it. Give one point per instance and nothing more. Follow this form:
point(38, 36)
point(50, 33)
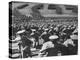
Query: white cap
point(74, 36)
point(16, 55)
point(19, 32)
point(53, 37)
point(33, 29)
point(45, 29)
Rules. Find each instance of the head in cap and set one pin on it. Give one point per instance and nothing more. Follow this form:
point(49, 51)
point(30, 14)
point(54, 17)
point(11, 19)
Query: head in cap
point(74, 37)
point(17, 38)
point(54, 39)
point(33, 30)
point(46, 29)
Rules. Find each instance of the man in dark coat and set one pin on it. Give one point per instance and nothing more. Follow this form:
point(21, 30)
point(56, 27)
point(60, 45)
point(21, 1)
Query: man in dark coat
point(26, 43)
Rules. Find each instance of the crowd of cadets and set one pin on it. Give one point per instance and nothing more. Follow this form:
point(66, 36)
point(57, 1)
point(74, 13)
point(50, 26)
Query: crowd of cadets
point(47, 39)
